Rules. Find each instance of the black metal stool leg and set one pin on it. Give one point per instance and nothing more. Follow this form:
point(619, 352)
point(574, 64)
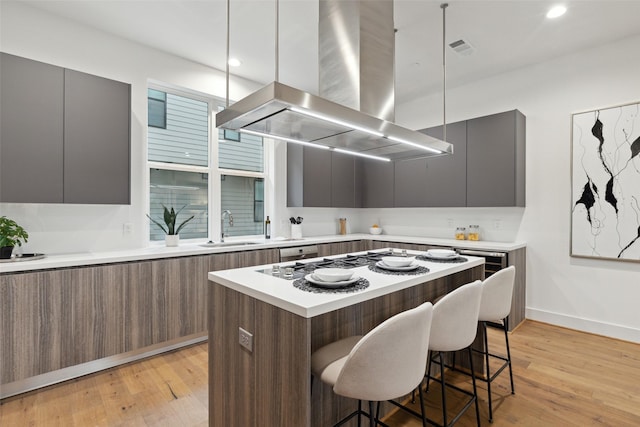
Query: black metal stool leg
point(444, 391)
point(372, 421)
point(422, 411)
point(486, 361)
point(506, 339)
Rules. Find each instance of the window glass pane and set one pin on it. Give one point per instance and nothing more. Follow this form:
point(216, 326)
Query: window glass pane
point(185, 140)
point(239, 196)
point(177, 189)
point(246, 154)
point(156, 113)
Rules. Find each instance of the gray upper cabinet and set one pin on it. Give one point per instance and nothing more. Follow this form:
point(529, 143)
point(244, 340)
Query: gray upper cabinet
point(486, 169)
point(377, 184)
point(320, 178)
point(316, 185)
point(343, 180)
point(96, 143)
point(496, 160)
point(435, 181)
point(295, 175)
point(31, 139)
point(65, 135)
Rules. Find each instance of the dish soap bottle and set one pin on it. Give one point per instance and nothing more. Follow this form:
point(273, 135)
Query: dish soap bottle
point(267, 228)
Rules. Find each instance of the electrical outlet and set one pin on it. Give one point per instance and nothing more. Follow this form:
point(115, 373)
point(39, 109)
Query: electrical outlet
point(497, 224)
point(245, 339)
point(449, 222)
point(127, 228)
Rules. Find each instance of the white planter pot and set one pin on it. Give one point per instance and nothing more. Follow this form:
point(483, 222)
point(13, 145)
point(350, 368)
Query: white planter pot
point(172, 239)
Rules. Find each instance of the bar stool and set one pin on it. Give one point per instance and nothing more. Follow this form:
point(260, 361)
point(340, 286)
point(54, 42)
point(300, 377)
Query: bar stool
point(454, 328)
point(385, 364)
point(495, 305)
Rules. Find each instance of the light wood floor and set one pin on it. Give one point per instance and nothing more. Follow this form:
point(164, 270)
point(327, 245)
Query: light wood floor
point(563, 378)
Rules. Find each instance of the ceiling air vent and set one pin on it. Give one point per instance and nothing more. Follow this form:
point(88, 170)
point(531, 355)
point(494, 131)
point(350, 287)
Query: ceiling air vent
point(462, 47)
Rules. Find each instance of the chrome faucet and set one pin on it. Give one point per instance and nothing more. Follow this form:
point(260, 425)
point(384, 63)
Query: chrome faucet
point(226, 212)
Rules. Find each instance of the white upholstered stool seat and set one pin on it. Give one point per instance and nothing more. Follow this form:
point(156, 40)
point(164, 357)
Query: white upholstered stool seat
point(386, 363)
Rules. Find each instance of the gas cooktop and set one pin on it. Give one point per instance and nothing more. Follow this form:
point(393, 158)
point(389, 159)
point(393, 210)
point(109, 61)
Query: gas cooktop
point(300, 269)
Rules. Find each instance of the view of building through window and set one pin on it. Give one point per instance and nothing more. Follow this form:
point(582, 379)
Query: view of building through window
point(181, 171)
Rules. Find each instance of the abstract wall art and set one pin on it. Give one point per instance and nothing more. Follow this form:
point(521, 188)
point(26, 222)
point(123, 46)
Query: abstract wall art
point(605, 183)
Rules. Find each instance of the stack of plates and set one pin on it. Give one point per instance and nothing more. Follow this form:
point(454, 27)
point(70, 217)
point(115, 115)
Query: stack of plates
point(331, 277)
point(396, 263)
point(441, 254)
point(311, 278)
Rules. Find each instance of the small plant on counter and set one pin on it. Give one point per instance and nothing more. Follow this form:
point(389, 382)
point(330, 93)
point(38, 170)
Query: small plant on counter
point(11, 235)
point(170, 216)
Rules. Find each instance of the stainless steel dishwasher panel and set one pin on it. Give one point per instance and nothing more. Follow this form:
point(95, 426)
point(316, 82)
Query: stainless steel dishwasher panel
point(298, 253)
point(493, 261)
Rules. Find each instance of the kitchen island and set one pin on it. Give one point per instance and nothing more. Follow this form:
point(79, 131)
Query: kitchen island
point(270, 385)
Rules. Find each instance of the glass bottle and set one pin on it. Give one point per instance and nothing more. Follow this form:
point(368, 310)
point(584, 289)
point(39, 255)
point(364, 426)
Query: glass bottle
point(267, 228)
point(474, 232)
point(460, 233)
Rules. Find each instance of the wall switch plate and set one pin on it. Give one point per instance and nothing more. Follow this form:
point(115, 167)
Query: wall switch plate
point(245, 339)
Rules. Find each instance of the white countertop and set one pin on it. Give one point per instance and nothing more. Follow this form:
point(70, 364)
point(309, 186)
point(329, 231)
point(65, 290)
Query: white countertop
point(189, 249)
point(281, 292)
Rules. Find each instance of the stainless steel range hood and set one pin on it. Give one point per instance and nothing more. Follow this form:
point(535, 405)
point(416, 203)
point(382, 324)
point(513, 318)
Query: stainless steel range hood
point(282, 112)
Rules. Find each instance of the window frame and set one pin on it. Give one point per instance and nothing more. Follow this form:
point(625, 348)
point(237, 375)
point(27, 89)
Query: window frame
point(213, 170)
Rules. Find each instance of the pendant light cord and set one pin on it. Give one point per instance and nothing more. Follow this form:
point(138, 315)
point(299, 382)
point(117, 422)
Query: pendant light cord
point(277, 41)
point(444, 72)
point(227, 61)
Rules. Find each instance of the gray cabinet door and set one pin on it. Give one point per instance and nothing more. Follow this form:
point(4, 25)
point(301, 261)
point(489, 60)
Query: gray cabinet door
point(96, 140)
point(31, 135)
point(377, 184)
point(342, 180)
point(316, 185)
point(435, 181)
point(295, 175)
point(495, 160)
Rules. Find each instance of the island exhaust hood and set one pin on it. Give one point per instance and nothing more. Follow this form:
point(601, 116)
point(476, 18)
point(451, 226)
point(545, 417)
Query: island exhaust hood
point(354, 113)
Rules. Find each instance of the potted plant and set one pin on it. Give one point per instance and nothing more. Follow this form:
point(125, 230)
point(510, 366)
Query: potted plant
point(172, 238)
point(11, 234)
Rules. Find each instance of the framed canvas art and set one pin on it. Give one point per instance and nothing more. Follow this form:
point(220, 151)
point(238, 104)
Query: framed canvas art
point(605, 183)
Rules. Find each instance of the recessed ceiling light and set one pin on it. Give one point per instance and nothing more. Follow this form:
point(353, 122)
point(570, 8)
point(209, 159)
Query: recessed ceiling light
point(556, 11)
point(234, 62)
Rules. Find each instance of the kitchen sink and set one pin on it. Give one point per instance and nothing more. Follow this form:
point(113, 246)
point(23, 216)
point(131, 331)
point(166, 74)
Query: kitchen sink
point(226, 244)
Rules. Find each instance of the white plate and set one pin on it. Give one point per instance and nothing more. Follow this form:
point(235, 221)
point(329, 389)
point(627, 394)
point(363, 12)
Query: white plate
point(309, 278)
point(332, 274)
point(397, 261)
point(441, 253)
point(390, 268)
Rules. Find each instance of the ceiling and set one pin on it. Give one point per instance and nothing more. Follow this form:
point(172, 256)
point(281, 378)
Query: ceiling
point(505, 35)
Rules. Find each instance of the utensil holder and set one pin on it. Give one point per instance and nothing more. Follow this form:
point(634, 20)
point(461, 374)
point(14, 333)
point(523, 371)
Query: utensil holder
point(296, 231)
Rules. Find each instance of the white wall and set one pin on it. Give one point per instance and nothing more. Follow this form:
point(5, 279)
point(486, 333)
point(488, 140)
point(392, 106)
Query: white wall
point(34, 34)
point(591, 295)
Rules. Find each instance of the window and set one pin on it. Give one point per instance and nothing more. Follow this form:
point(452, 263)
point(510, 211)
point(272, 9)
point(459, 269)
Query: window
point(157, 108)
point(181, 172)
point(241, 165)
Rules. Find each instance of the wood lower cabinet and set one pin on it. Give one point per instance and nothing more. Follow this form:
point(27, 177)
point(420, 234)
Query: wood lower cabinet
point(56, 319)
point(328, 249)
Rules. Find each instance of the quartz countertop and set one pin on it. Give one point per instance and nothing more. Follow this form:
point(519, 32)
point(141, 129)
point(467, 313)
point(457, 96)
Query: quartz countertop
point(159, 251)
point(281, 293)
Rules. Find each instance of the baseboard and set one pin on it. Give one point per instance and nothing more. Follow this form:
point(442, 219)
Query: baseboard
point(610, 330)
point(54, 377)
